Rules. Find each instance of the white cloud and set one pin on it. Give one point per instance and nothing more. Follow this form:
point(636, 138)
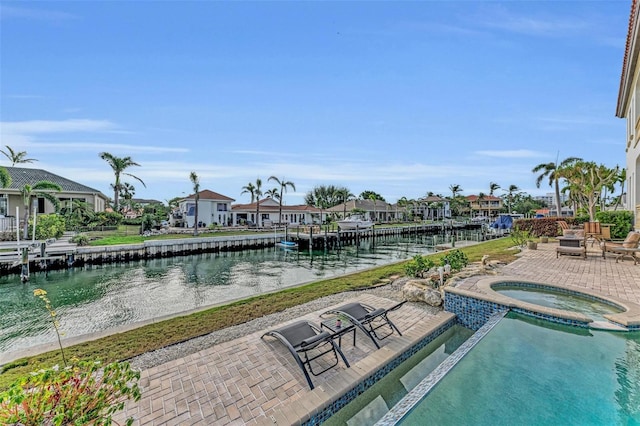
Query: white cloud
point(550, 26)
point(11, 12)
point(24, 135)
point(516, 153)
point(51, 126)
point(103, 146)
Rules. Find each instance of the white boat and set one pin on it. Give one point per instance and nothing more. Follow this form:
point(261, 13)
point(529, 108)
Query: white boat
point(288, 244)
point(356, 221)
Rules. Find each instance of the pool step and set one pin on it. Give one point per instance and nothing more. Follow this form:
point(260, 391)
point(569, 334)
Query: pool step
point(607, 326)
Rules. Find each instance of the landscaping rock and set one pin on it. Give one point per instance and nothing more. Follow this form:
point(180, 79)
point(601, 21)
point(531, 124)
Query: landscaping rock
point(421, 291)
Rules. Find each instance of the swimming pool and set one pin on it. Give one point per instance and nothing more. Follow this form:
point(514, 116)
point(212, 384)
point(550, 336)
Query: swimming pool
point(552, 298)
point(374, 403)
point(530, 371)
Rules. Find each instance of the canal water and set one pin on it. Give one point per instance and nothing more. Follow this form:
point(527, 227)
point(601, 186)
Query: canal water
point(94, 299)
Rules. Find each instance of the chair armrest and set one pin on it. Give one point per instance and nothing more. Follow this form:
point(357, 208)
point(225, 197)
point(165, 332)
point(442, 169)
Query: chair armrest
point(312, 341)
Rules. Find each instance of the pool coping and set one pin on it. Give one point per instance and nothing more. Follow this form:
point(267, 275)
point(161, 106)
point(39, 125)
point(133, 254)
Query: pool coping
point(629, 318)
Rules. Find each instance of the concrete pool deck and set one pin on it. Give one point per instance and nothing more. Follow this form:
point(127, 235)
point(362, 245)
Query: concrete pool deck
point(255, 381)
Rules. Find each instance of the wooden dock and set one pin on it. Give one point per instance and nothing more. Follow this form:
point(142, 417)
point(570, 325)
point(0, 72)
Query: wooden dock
point(65, 255)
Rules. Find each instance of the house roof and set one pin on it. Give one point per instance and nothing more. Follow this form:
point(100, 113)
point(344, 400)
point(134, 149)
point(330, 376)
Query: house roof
point(629, 61)
point(433, 199)
point(485, 198)
point(268, 205)
point(366, 205)
point(146, 201)
point(205, 194)
point(21, 176)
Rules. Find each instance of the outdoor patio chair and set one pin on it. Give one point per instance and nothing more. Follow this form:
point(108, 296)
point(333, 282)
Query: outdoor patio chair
point(369, 319)
point(630, 242)
point(596, 231)
point(567, 230)
point(307, 342)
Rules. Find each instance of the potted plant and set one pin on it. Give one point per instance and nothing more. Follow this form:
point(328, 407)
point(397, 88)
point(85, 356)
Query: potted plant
point(544, 239)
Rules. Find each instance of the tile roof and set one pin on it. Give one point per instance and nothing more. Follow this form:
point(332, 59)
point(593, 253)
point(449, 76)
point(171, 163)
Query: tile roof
point(21, 176)
point(209, 195)
point(270, 207)
point(629, 60)
point(486, 198)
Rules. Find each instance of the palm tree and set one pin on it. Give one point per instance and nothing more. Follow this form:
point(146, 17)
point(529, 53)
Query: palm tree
point(455, 190)
point(193, 177)
point(510, 191)
point(373, 198)
point(622, 179)
point(41, 189)
point(5, 178)
point(127, 191)
point(553, 172)
point(258, 193)
point(492, 188)
point(272, 193)
point(404, 203)
point(345, 196)
point(283, 184)
point(249, 189)
point(481, 197)
point(77, 213)
point(16, 157)
point(119, 165)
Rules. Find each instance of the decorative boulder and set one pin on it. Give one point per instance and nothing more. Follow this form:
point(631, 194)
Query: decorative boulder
point(421, 291)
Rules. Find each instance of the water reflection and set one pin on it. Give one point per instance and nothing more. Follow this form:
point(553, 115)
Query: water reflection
point(101, 297)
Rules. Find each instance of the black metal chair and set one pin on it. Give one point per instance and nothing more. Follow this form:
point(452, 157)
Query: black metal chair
point(307, 342)
point(369, 319)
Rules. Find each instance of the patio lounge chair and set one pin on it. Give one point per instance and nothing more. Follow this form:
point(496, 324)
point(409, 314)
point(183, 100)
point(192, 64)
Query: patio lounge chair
point(632, 241)
point(567, 230)
point(369, 319)
point(307, 342)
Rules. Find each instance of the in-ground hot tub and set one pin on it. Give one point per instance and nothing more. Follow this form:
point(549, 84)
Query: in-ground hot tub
point(558, 298)
point(569, 305)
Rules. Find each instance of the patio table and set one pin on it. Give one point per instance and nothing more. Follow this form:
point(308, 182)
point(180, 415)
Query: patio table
point(339, 327)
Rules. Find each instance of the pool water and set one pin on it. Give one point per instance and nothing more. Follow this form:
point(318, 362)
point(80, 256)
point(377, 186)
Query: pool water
point(554, 299)
point(376, 401)
point(531, 372)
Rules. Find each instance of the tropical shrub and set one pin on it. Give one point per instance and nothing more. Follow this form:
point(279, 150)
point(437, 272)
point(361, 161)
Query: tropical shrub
point(48, 226)
point(456, 259)
point(81, 240)
point(418, 266)
point(82, 393)
point(621, 221)
point(107, 219)
point(147, 222)
point(520, 236)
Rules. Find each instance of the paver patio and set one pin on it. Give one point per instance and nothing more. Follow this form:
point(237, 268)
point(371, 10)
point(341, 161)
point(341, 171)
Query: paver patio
point(256, 382)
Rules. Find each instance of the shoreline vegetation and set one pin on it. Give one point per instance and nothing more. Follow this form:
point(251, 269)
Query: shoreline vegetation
point(126, 345)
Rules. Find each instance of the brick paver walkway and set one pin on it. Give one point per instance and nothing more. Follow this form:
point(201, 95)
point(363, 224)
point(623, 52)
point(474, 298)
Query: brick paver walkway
point(256, 382)
point(602, 275)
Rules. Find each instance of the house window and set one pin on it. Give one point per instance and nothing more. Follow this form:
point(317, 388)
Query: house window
point(40, 205)
point(4, 205)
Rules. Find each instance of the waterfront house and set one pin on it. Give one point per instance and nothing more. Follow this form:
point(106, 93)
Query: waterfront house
point(269, 214)
point(378, 211)
point(213, 208)
point(486, 206)
point(434, 207)
point(628, 107)
point(11, 197)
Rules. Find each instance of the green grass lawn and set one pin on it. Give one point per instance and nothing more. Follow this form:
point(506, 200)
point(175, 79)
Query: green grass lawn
point(154, 336)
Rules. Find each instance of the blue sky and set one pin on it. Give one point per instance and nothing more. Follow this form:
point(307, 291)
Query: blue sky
point(400, 98)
